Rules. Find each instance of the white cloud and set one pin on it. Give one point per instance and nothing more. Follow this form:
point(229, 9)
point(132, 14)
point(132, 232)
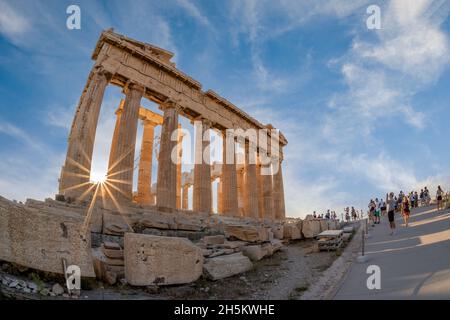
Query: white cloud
point(194, 12)
point(12, 23)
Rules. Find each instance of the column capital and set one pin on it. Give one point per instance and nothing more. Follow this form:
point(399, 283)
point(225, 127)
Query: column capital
point(170, 104)
point(103, 72)
point(133, 86)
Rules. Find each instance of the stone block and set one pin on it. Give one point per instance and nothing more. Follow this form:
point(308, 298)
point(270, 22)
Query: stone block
point(310, 228)
point(278, 232)
point(161, 260)
point(247, 233)
point(323, 225)
point(292, 232)
point(40, 239)
point(226, 266)
point(254, 252)
point(211, 240)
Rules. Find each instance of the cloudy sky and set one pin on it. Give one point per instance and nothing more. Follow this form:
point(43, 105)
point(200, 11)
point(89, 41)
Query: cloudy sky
point(364, 111)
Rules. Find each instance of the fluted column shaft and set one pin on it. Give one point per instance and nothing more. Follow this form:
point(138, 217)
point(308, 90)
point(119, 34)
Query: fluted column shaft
point(266, 191)
point(260, 191)
point(228, 181)
point(202, 169)
point(75, 174)
point(179, 173)
point(120, 174)
point(166, 190)
point(278, 193)
point(240, 191)
point(185, 196)
point(144, 195)
point(251, 184)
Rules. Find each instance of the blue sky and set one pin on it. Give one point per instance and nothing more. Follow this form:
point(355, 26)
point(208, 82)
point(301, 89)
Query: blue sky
point(364, 111)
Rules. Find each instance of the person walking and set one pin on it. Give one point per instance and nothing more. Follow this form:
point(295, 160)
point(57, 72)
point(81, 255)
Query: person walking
point(406, 210)
point(391, 212)
point(439, 194)
point(372, 207)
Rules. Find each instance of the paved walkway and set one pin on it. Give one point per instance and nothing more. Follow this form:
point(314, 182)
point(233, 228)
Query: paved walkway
point(414, 263)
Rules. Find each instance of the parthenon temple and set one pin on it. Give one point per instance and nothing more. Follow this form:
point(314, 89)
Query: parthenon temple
point(146, 71)
point(224, 211)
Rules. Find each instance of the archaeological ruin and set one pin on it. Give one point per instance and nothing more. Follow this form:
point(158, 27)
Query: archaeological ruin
point(151, 236)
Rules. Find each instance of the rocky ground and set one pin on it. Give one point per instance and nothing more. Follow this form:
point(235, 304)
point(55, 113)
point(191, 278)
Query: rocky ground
point(285, 275)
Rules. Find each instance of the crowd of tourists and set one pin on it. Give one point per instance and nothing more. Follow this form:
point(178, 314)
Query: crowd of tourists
point(348, 215)
point(403, 204)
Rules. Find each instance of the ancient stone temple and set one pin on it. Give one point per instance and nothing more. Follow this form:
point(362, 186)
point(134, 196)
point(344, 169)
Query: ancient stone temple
point(144, 71)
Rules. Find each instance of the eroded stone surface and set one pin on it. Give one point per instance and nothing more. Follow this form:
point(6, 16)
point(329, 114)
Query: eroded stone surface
point(161, 260)
point(226, 266)
point(310, 228)
point(247, 233)
point(292, 232)
point(40, 239)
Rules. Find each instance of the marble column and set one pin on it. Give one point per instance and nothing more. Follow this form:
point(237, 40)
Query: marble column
point(144, 194)
point(180, 155)
point(251, 184)
point(185, 197)
point(166, 188)
point(219, 196)
point(260, 191)
point(202, 168)
point(278, 193)
point(266, 191)
point(120, 174)
point(228, 181)
point(75, 174)
point(113, 148)
point(240, 191)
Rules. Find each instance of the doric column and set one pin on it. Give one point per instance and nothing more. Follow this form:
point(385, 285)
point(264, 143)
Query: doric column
point(180, 155)
point(185, 200)
point(240, 191)
point(251, 184)
point(228, 181)
point(202, 168)
point(144, 193)
point(75, 174)
point(166, 188)
point(219, 196)
point(120, 173)
point(113, 148)
point(260, 190)
point(278, 192)
point(266, 191)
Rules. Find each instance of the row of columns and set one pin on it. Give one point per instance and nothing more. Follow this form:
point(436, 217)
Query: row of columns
point(261, 196)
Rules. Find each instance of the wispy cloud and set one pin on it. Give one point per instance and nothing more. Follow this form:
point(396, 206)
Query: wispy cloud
point(194, 12)
point(12, 23)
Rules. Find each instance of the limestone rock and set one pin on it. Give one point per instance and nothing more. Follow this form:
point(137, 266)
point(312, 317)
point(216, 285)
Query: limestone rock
point(254, 252)
point(209, 240)
point(226, 266)
point(161, 260)
point(310, 228)
point(40, 238)
point(292, 232)
point(247, 233)
point(323, 225)
point(57, 289)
